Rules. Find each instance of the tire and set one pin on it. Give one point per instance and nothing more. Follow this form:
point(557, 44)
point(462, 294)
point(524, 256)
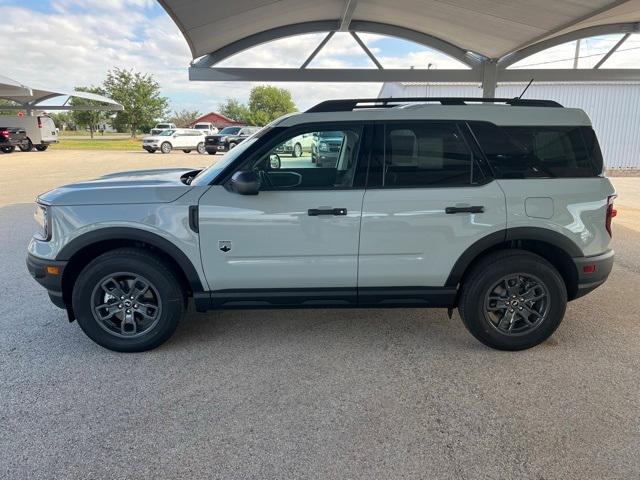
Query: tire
point(8, 149)
point(488, 317)
point(232, 145)
point(165, 147)
point(186, 151)
point(200, 148)
point(297, 150)
point(41, 148)
point(26, 147)
point(163, 286)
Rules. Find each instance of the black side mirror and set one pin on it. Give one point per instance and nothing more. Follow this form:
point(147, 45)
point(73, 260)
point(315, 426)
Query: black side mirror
point(245, 183)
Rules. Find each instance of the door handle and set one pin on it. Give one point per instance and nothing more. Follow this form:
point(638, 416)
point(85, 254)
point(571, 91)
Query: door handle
point(314, 212)
point(473, 209)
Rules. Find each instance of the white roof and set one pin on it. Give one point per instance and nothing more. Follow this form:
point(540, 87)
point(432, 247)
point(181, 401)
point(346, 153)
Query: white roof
point(25, 95)
point(490, 28)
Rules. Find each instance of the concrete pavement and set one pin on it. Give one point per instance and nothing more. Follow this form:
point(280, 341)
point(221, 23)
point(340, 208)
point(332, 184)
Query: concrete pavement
point(401, 393)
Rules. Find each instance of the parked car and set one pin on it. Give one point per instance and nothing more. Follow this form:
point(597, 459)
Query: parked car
point(40, 129)
point(206, 127)
point(162, 126)
point(185, 139)
point(11, 137)
point(326, 147)
point(502, 211)
point(228, 138)
point(299, 145)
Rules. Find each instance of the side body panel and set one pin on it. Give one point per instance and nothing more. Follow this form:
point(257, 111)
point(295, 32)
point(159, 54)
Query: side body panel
point(407, 239)
point(273, 243)
point(167, 220)
point(574, 207)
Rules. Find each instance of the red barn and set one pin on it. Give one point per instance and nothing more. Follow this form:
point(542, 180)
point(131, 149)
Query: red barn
point(218, 120)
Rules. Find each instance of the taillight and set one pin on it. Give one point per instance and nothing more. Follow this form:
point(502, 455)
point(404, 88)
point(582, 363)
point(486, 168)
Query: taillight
point(5, 133)
point(611, 212)
point(39, 122)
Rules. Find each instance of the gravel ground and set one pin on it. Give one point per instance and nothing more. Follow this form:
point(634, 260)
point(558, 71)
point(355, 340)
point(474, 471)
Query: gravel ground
point(402, 393)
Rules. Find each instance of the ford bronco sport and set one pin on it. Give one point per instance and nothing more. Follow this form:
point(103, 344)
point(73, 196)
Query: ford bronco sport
point(498, 207)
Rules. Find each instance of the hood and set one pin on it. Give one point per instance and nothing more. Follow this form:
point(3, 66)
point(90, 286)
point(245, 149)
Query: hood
point(140, 186)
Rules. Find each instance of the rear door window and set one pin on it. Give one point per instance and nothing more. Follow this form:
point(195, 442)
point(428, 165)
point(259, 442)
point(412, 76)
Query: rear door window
point(422, 154)
point(539, 151)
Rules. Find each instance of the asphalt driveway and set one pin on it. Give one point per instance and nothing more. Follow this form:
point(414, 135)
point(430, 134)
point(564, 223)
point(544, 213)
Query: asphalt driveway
point(402, 393)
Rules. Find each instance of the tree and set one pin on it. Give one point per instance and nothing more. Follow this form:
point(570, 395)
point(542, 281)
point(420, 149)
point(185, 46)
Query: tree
point(7, 103)
point(184, 118)
point(87, 118)
point(63, 120)
point(266, 103)
point(233, 109)
point(140, 96)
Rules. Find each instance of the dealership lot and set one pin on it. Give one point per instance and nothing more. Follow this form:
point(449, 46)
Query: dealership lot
point(323, 393)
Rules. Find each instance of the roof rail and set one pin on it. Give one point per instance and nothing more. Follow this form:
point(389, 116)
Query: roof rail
point(363, 103)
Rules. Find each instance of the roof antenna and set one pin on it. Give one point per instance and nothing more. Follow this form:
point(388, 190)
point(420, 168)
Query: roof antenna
point(525, 89)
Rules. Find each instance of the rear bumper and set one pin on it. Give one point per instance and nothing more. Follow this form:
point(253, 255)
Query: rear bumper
point(51, 282)
point(597, 268)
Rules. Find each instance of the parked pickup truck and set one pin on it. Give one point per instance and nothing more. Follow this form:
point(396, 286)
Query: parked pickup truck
point(162, 126)
point(12, 137)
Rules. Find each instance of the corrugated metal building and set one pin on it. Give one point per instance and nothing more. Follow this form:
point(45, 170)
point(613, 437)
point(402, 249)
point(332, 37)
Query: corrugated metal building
point(614, 109)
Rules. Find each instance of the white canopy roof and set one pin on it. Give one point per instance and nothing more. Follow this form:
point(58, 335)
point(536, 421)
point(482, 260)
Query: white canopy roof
point(31, 98)
point(486, 35)
point(490, 28)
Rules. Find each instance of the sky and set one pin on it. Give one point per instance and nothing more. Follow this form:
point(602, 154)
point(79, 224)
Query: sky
point(62, 44)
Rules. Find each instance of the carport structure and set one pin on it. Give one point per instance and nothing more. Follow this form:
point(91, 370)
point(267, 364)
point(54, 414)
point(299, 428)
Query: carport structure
point(30, 99)
point(486, 36)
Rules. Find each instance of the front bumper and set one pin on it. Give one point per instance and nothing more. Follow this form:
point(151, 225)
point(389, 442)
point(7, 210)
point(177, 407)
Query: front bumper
point(216, 148)
point(593, 271)
point(39, 269)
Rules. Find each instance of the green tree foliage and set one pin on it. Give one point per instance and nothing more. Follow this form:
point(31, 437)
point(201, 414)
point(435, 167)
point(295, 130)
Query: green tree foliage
point(89, 119)
point(63, 120)
point(140, 96)
point(266, 103)
point(233, 109)
point(184, 118)
point(7, 103)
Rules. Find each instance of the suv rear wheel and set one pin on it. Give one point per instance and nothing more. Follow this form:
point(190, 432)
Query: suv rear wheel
point(128, 300)
point(8, 149)
point(513, 300)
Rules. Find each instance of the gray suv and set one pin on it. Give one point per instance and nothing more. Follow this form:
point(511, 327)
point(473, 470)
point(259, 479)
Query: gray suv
point(497, 207)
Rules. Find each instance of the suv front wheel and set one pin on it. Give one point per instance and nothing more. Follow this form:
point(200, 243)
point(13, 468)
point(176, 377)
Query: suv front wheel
point(512, 300)
point(128, 300)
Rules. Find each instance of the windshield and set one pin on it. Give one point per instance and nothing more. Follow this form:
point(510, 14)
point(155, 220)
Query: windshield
point(230, 130)
point(163, 125)
point(166, 133)
point(201, 127)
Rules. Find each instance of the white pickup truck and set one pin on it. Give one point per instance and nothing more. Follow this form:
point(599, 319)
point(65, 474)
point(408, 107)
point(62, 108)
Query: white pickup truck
point(206, 127)
point(162, 126)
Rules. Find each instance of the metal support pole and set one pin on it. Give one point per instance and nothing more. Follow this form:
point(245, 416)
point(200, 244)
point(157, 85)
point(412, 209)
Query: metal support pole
point(489, 78)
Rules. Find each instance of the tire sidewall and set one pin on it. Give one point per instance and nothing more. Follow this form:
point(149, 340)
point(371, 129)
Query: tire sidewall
point(200, 148)
point(165, 147)
point(474, 295)
point(165, 283)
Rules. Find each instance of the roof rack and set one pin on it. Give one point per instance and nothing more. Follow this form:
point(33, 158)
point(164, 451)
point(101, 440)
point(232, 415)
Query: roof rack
point(363, 103)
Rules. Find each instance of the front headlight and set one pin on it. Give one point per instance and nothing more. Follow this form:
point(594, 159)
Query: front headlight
point(223, 139)
point(43, 220)
point(323, 147)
